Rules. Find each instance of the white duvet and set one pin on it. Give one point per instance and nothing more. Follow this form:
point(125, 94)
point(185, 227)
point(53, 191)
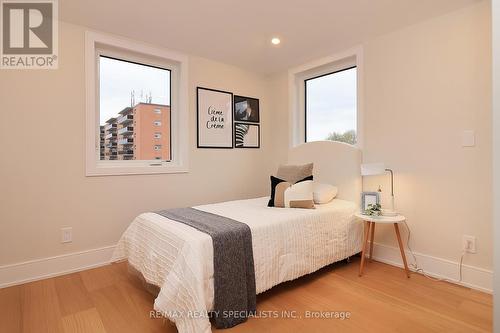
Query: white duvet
point(287, 243)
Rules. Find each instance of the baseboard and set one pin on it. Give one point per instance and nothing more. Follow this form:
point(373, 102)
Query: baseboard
point(10, 275)
point(472, 277)
point(39, 269)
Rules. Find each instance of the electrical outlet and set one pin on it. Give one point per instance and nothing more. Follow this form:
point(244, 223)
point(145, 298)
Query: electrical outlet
point(66, 235)
point(469, 244)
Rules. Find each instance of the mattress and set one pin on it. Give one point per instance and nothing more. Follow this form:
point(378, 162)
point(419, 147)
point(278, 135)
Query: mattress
point(287, 243)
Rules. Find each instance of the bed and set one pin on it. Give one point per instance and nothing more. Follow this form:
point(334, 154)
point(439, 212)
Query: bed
point(287, 243)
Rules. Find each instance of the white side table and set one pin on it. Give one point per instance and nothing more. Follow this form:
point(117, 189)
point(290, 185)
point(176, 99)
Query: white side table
point(370, 222)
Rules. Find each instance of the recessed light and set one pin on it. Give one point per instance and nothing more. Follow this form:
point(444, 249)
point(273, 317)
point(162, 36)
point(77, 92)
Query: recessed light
point(275, 41)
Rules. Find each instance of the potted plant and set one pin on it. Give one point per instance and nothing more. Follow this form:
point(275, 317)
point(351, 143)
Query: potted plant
point(373, 210)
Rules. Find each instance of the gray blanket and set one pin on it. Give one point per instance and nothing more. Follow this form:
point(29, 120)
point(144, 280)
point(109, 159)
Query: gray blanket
point(234, 275)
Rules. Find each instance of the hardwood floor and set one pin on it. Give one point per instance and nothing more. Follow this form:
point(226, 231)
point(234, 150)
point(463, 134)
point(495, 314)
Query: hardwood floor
point(109, 299)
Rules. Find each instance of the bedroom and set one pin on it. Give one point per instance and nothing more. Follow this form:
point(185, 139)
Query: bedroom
point(417, 77)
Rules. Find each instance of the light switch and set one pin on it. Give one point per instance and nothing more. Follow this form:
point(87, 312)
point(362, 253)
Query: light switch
point(468, 138)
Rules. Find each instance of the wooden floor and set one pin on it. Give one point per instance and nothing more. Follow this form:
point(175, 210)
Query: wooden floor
point(109, 299)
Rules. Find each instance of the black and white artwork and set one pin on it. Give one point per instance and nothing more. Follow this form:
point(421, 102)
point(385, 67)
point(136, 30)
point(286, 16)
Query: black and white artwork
point(215, 118)
point(246, 109)
point(246, 135)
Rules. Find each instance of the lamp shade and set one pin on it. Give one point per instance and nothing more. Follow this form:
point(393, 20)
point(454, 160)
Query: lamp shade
point(372, 169)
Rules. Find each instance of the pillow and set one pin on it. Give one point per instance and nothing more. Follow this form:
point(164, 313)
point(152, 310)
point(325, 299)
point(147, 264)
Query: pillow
point(299, 195)
point(285, 194)
point(294, 173)
point(324, 193)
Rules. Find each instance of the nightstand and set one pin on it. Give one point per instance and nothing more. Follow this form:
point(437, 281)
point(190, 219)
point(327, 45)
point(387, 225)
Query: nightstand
point(370, 222)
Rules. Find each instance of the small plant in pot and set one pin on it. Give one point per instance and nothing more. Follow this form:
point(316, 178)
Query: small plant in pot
point(373, 210)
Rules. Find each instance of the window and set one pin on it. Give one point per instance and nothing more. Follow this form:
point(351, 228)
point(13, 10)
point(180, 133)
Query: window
point(131, 89)
point(126, 86)
point(331, 107)
point(157, 135)
point(157, 147)
point(326, 99)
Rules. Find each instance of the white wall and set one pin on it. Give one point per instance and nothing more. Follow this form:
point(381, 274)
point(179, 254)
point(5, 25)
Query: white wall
point(496, 158)
point(424, 85)
point(43, 183)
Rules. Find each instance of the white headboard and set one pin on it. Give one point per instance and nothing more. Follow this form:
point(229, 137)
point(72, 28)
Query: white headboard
point(335, 163)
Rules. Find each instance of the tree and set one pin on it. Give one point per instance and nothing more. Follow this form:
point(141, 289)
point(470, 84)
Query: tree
point(347, 137)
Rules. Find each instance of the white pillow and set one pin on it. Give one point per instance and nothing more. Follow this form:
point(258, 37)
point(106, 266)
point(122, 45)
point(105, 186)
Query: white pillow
point(299, 195)
point(324, 193)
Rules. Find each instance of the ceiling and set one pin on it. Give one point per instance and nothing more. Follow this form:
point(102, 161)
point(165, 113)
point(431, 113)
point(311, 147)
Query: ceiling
point(239, 32)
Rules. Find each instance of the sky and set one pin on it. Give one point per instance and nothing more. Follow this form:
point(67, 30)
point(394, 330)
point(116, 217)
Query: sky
point(118, 78)
point(331, 104)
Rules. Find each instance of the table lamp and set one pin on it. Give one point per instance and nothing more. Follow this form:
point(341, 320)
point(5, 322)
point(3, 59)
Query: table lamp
point(373, 169)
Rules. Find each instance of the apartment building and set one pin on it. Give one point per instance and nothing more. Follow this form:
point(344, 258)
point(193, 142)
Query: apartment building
point(101, 142)
point(126, 134)
point(110, 144)
point(142, 133)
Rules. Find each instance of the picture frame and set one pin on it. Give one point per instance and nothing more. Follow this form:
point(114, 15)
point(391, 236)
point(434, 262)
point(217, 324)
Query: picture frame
point(214, 118)
point(246, 109)
point(368, 198)
point(246, 135)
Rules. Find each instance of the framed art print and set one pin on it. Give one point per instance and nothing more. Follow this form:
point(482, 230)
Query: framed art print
point(214, 118)
point(246, 109)
point(246, 135)
point(369, 198)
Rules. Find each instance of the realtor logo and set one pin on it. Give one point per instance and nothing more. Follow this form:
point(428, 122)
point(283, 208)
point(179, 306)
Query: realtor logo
point(29, 34)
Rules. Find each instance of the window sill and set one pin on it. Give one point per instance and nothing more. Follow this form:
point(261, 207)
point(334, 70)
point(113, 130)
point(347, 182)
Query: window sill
point(130, 170)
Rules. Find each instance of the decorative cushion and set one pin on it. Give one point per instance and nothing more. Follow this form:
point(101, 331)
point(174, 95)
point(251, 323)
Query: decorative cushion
point(294, 173)
point(299, 195)
point(285, 194)
point(274, 182)
point(324, 193)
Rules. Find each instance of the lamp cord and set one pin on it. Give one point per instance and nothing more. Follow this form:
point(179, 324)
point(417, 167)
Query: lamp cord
point(420, 270)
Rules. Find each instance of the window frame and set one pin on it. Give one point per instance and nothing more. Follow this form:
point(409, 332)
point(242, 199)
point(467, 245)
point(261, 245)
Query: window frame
point(296, 91)
point(305, 96)
point(97, 44)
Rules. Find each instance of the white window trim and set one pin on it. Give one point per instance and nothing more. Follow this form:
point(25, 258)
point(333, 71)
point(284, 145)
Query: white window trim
point(296, 89)
point(179, 100)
